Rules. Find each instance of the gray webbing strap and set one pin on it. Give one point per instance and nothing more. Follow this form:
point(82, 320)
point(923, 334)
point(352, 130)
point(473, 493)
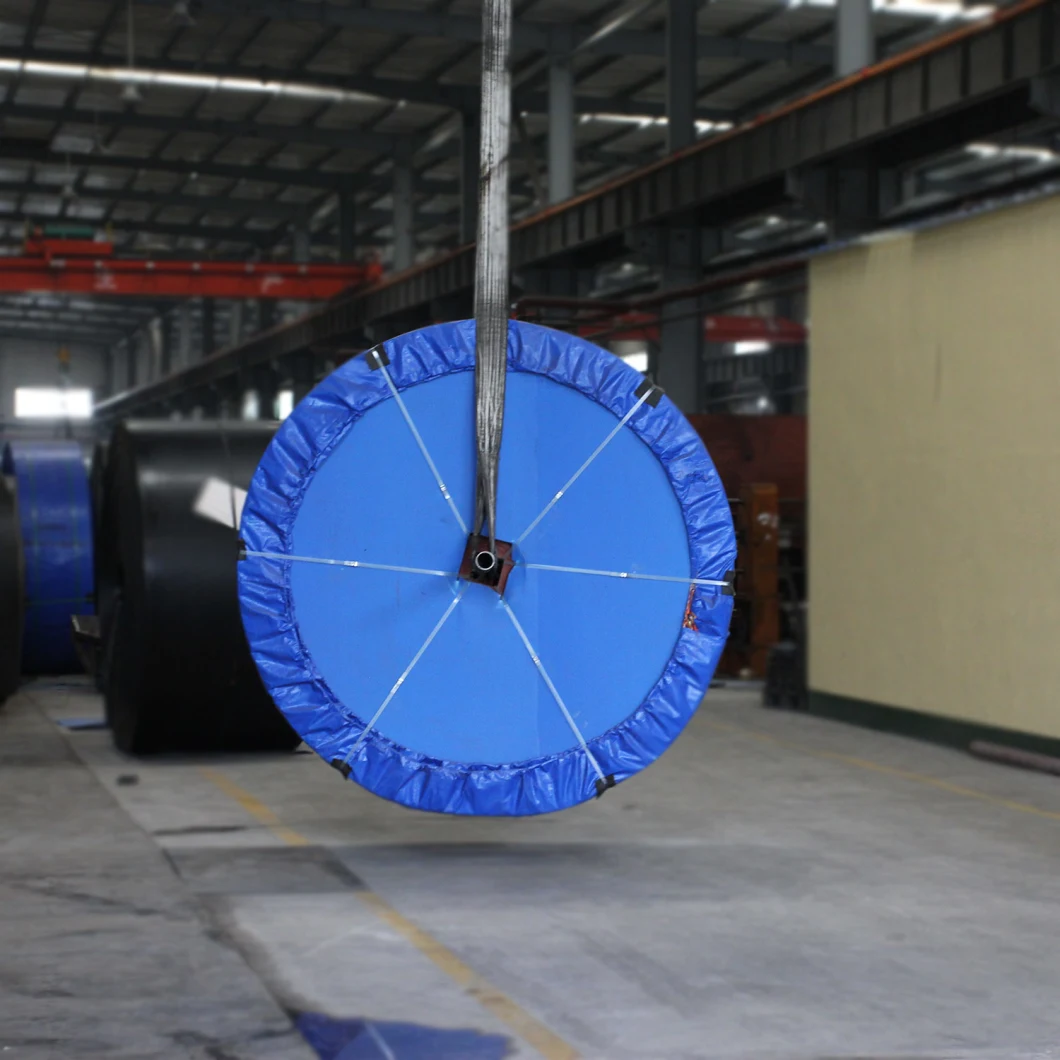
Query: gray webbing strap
point(491, 259)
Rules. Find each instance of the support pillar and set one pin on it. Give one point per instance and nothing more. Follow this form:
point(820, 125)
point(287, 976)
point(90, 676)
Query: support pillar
point(560, 129)
point(235, 323)
point(681, 335)
point(403, 207)
point(681, 38)
point(469, 174)
point(347, 222)
point(855, 44)
point(156, 348)
point(209, 314)
point(183, 352)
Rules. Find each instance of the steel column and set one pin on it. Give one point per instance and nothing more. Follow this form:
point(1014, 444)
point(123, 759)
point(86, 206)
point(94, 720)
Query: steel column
point(235, 323)
point(560, 129)
point(681, 335)
point(208, 323)
point(681, 73)
point(855, 44)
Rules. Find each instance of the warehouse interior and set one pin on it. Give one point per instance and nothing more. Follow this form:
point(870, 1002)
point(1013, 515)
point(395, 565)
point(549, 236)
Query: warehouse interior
point(246, 257)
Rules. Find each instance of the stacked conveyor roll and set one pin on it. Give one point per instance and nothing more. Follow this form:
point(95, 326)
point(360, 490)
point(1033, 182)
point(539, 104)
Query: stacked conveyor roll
point(177, 672)
point(55, 522)
point(11, 599)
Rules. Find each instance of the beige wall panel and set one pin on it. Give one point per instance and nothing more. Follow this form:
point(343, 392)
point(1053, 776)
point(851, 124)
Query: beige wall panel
point(935, 470)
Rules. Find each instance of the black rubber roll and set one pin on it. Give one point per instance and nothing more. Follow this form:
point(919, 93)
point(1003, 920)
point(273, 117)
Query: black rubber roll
point(177, 672)
point(97, 467)
point(12, 601)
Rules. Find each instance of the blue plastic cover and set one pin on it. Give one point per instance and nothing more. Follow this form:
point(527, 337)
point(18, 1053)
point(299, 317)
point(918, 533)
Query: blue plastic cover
point(470, 725)
point(55, 516)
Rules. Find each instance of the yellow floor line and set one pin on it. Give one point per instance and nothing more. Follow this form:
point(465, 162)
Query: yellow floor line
point(528, 1028)
point(894, 771)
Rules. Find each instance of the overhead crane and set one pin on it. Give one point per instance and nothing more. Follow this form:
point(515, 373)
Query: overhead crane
point(88, 266)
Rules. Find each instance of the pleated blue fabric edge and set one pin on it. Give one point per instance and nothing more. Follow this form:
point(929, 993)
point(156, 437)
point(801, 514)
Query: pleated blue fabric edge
point(554, 782)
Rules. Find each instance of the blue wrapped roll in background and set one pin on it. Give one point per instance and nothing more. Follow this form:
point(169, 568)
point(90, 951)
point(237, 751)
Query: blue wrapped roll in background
point(55, 520)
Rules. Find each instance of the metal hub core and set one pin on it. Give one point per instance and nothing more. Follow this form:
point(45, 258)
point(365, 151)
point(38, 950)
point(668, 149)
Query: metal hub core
point(485, 567)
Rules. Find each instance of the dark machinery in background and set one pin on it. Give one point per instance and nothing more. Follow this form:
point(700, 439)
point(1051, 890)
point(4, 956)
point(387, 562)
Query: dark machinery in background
point(11, 591)
point(176, 670)
point(762, 462)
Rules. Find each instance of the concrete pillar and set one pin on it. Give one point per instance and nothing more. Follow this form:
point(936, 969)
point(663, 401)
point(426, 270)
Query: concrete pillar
point(403, 212)
point(183, 344)
point(156, 348)
point(560, 129)
point(235, 323)
point(347, 222)
point(208, 324)
point(855, 44)
point(681, 73)
point(469, 173)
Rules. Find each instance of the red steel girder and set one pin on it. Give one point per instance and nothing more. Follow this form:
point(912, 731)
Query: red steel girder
point(64, 267)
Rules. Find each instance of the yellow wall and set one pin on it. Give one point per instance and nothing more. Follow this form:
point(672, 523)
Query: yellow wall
point(935, 470)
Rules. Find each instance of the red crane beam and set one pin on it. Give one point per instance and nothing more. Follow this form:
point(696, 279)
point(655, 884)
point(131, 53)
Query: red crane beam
point(76, 266)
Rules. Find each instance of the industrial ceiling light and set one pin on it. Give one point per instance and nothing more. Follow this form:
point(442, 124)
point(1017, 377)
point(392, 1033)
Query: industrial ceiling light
point(195, 82)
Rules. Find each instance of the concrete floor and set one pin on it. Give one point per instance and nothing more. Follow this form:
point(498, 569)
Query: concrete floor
point(777, 888)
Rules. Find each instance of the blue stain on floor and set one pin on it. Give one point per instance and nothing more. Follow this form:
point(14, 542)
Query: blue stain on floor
point(361, 1039)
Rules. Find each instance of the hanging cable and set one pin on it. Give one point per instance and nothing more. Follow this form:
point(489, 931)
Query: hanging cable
point(491, 260)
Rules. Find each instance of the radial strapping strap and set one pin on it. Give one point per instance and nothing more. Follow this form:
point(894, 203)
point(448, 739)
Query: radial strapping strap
point(376, 360)
point(605, 781)
point(577, 474)
point(635, 575)
point(284, 556)
point(344, 766)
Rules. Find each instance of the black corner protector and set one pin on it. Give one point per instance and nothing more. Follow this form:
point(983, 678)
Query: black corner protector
point(729, 588)
point(377, 358)
point(603, 783)
point(654, 393)
point(342, 767)
point(242, 554)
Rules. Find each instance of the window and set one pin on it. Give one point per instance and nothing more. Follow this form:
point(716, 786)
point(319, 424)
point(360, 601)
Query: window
point(52, 403)
point(284, 404)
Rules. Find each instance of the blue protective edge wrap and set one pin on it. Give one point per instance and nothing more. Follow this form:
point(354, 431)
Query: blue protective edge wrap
point(55, 521)
point(304, 442)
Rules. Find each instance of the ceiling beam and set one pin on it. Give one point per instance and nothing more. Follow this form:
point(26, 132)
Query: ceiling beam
point(533, 36)
point(162, 200)
point(376, 143)
point(259, 238)
point(428, 93)
point(39, 153)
